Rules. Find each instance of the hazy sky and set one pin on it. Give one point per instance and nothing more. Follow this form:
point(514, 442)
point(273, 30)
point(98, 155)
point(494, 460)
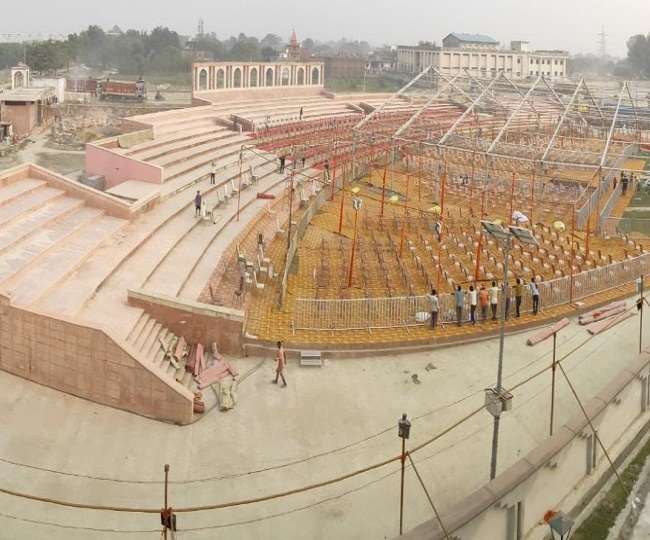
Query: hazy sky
point(565, 24)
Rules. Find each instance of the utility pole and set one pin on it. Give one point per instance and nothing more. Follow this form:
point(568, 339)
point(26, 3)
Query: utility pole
point(602, 43)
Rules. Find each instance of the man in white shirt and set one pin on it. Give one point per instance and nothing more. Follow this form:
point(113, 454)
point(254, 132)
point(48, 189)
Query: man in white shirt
point(213, 173)
point(494, 299)
point(534, 291)
point(473, 302)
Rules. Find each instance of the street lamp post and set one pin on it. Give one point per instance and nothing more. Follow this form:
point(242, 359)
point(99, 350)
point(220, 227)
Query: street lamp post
point(356, 205)
point(560, 525)
point(496, 400)
point(403, 431)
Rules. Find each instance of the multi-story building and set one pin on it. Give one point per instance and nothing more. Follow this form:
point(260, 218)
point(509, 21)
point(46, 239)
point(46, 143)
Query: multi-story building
point(482, 57)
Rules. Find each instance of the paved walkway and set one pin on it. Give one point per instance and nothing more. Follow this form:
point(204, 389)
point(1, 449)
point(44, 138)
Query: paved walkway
point(350, 405)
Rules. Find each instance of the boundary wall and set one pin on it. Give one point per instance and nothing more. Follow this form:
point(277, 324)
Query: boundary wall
point(563, 473)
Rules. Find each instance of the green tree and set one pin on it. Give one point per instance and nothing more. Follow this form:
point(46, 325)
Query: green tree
point(638, 54)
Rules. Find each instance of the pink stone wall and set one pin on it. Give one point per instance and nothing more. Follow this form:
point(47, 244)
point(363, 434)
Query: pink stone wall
point(117, 168)
point(24, 118)
point(194, 326)
point(86, 362)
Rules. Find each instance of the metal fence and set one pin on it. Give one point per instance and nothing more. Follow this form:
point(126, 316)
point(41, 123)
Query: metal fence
point(601, 191)
point(376, 313)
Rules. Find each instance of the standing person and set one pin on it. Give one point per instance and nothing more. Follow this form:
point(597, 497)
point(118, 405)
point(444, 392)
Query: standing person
point(435, 306)
point(300, 113)
point(213, 173)
point(534, 290)
point(460, 301)
point(327, 170)
point(519, 289)
point(197, 204)
point(251, 172)
point(624, 184)
point(494, 299)
point(484, 301)
point(283, 159)
point(473, 302)
point(280, 363)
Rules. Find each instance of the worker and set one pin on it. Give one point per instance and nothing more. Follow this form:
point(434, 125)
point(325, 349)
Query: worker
point(213, 173)
point(435, 306)
point(460, 302)
point(197, 204)
point(281, 362)
point(494, 299)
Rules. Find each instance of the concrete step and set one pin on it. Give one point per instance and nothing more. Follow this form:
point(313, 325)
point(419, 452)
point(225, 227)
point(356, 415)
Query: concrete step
point(145, 330)
point(97, 283)
point(201, 154)
point(32, 222)
point(28, 202)
point(156, 346)
point(172, 272)
point(183, 151)
point(61, 263)
point(137, 328)
point(35, 247)
point(15, 189)
point(179, 143)
point(150, 339)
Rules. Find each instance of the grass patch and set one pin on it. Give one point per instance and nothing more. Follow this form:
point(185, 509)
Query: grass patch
point(602, 518)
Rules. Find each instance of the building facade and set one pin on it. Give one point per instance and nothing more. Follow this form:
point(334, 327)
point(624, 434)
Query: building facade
point(517, 62)
point(213, 76)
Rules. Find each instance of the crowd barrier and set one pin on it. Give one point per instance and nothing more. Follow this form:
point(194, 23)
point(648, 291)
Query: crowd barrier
point(377, 313)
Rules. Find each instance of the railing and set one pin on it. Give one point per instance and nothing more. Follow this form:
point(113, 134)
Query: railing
point(376, 313)
point(603, 188)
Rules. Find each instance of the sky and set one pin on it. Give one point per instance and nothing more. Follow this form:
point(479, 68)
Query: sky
point(572, 25)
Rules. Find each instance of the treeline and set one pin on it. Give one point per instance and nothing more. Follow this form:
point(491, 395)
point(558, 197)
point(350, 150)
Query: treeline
point(159, 51)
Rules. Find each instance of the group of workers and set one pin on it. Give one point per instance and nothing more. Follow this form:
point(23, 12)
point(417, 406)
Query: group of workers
point(487, 300)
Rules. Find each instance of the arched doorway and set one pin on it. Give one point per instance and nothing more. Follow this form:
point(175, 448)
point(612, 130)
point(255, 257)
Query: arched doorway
point(236, 78)
point(286, 77)
point(19, 80)
point(269, 77)
point(203, 80)
point(253, 77)
point(315, 76)
point(221, 79)
point(301, 76)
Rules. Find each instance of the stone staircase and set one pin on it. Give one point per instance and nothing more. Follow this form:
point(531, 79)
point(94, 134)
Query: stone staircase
point(147, 338)
point(45, 236)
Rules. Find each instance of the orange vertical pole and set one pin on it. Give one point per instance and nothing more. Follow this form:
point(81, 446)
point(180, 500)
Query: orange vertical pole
point(442, 220)
point(512, 196)
point(532, 197)
point(573, 230)
point(401, 241)
point(383, 189)
point(333, 174)
point(341, 207)
point(480, 238)
point(354, 245)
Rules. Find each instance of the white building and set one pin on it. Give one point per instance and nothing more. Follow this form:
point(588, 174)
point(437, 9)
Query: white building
point(481, 57)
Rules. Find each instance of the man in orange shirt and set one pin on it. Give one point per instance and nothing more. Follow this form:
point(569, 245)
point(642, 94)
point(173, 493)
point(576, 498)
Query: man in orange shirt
point(281, 362)
point(483, 300)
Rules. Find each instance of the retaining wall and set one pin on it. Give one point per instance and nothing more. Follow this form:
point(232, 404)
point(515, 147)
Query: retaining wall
point(118, 168)
point(87, 362)
point(195, 321)
point(562, 473)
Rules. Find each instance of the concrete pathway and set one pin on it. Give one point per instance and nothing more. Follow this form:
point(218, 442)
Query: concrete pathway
point(332, 420)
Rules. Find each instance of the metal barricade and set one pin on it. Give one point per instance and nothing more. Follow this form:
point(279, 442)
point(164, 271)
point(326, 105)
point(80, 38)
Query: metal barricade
point(377, 313)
